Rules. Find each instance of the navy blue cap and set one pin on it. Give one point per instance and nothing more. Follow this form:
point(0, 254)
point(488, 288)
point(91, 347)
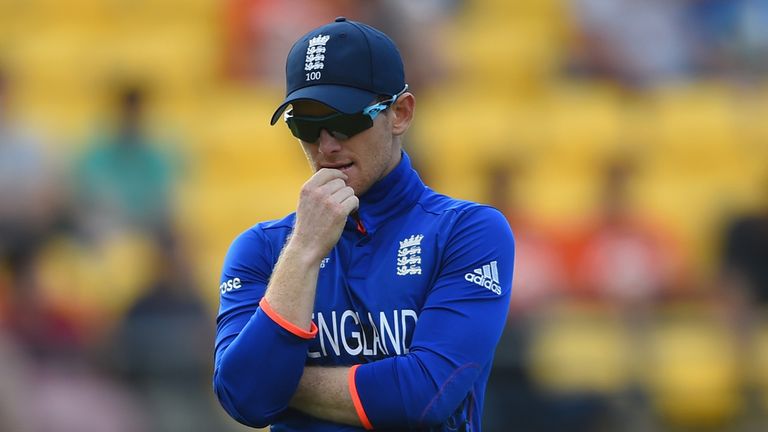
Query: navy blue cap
point(345, 65)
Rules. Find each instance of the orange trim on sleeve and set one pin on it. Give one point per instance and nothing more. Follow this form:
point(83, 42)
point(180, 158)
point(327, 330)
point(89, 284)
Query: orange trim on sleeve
point(356, 399)
point(284, 323)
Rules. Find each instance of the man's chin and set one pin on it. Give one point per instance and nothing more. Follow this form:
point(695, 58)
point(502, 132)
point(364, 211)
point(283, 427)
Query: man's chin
point(359, 189)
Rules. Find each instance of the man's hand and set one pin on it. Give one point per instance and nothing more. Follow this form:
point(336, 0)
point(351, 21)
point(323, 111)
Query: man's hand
point(324, 204)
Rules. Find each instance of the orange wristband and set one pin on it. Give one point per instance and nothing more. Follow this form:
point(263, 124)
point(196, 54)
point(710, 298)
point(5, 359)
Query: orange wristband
point(284, 323)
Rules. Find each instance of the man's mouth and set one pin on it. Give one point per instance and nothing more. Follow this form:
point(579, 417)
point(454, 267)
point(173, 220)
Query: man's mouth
point(341, 167)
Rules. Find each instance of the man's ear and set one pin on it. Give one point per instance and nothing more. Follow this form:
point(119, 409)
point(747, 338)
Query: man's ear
point(402, 111)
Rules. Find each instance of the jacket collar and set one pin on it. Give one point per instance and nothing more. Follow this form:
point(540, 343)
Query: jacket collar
point(397, 192)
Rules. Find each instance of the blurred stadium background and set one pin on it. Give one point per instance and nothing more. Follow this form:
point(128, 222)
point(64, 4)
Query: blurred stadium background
point(626, 140)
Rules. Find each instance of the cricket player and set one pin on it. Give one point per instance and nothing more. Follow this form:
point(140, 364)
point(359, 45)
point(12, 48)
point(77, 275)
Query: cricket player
point(378, 303)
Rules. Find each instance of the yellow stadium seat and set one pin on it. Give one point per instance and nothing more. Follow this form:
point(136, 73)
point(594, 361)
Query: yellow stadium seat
point(550, 10)
point(759, 361)
point(585, 123)
point(509, 58)
point(69, 15)
point(172, 58)
point(159, 11)
point(581, 350)
point(98, 282)
point(695, 124)
point(693, 370)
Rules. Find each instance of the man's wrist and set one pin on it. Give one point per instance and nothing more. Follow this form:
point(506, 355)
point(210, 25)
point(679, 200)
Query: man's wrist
point(323, 392)
point(303, 252)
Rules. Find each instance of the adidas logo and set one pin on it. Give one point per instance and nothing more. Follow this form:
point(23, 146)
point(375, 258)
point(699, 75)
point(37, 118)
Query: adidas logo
point(487, 276)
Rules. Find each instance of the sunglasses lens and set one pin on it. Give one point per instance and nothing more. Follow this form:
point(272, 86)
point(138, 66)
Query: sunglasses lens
point(340, 126)
point(341, 136)
point(347, 126)
point(304, 130)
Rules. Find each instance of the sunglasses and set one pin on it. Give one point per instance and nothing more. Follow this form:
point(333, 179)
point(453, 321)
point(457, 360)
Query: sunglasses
point(339, 125)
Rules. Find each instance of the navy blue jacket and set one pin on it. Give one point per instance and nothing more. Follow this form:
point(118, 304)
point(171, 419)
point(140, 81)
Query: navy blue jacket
point(414, 298)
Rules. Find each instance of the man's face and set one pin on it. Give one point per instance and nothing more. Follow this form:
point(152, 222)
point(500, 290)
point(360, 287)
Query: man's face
point(365, 158)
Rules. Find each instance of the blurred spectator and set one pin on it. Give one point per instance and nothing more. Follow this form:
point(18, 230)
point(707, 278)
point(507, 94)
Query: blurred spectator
point(540, 270)
point(729, 38)
point(31, 203)
point(30, 196)
point(754, 30)
point(39, 329)
point(125, 178)
point(45, 366)
point(540, 274)
point(745, 257)
point(622, 257)
point(260, 33)
point(634, 42)
point(713, 32)
point(161, 347)
point(641, 42)
point(12, 397)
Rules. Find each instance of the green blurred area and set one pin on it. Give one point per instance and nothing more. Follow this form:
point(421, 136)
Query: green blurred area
point(503, 102)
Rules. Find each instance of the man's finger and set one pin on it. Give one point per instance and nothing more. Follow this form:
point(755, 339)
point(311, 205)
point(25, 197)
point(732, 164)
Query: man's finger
point(342, 194)
point(351, 203)
point(324, 175)
point(333, 186)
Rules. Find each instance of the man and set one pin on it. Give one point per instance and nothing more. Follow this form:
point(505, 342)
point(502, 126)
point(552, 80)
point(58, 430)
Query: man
point(378, 303)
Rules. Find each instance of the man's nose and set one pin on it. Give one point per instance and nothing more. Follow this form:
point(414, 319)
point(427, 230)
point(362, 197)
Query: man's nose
point(327, 143)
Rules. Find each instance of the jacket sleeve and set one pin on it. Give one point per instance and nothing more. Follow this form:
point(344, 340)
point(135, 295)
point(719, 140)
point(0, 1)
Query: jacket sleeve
point(259, 356)
point(455, 336)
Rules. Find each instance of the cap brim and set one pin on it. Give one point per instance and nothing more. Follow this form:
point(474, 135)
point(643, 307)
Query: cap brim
point(348, 100)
